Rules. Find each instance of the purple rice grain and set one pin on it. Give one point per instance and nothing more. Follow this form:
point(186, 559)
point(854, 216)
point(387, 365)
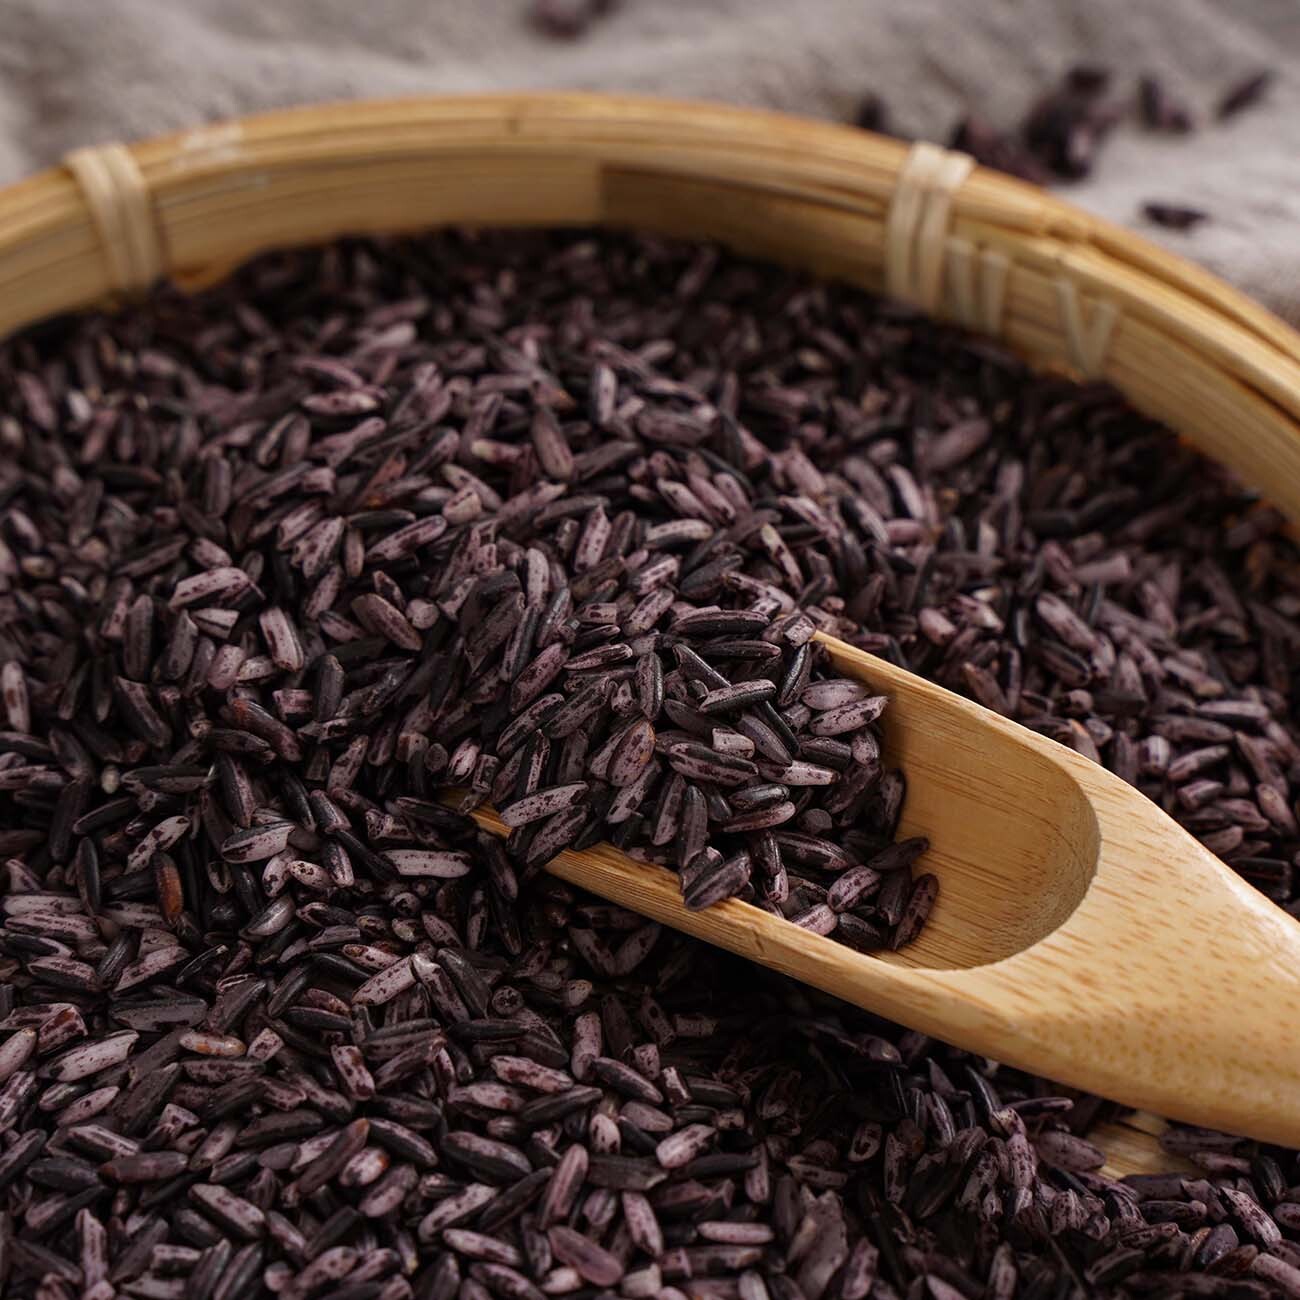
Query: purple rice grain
point(1174, 216)
point(1244, 94)
point(1159, 109)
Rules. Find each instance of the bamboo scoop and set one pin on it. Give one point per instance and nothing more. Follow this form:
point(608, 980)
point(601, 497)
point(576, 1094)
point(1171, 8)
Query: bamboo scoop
point(1080, 933)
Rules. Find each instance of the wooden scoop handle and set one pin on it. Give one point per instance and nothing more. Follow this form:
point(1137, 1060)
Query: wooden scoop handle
point(1115, 953)
point(1184, 1025)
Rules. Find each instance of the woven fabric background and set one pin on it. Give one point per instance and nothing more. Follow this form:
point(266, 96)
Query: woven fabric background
point(85, 71)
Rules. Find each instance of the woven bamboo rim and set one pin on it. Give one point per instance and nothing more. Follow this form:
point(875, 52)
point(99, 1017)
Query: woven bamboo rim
point(1058, 286)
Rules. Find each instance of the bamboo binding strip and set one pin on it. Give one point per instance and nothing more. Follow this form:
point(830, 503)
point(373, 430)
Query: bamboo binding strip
point(121, 209)
point(924, 224)
point(927, 265)
point(920, 251)
point(1085, 343)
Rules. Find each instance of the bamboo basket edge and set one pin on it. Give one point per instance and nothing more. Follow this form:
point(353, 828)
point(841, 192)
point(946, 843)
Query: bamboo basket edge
point(1051, 214)
point(46, 233)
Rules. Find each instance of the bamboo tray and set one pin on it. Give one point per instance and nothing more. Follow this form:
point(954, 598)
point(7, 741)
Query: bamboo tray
point(1058, 286)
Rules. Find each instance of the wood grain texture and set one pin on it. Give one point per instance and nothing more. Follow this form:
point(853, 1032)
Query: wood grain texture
point(1039, 882)
point(1132, 1146)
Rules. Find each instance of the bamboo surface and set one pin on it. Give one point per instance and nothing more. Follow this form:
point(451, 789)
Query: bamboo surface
point(1183, 346)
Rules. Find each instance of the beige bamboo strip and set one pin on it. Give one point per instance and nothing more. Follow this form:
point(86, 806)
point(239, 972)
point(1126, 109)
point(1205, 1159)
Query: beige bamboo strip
point(1085, 341)
point(118, 199)
point(1132, 1147)
point(916, 228)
